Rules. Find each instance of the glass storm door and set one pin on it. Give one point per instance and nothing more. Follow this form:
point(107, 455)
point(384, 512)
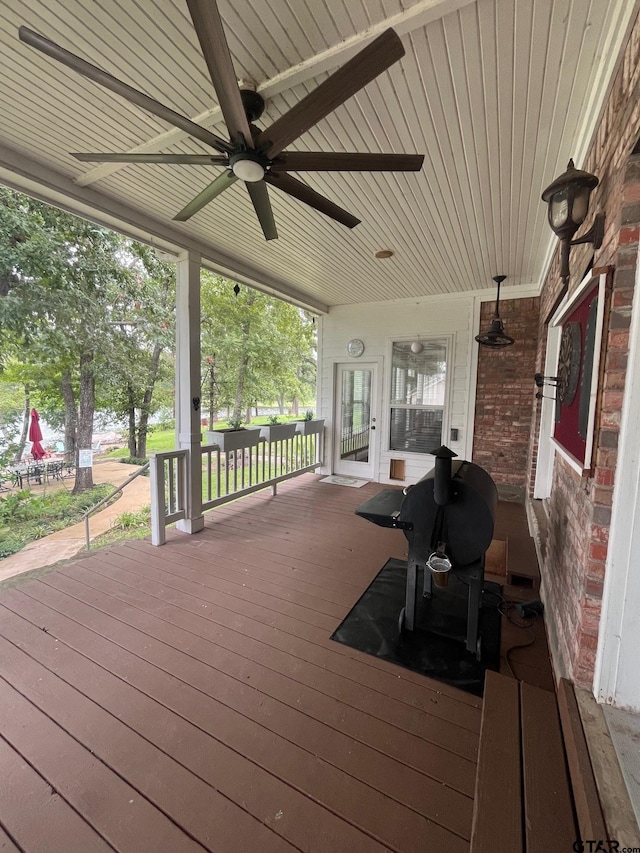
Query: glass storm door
point(354, 440)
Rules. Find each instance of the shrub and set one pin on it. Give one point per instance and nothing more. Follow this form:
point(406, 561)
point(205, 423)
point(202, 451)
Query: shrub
point(274, 420)
point(133, 520)
point(25, 517)
point(133, 460)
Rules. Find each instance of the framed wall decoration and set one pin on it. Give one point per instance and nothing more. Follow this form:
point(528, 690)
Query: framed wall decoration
point(580, 319)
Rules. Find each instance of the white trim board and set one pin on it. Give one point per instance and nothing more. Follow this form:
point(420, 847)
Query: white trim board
point(617, 671)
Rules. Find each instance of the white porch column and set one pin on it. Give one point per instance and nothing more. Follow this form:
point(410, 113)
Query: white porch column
point(188, 413)
point(617, 672)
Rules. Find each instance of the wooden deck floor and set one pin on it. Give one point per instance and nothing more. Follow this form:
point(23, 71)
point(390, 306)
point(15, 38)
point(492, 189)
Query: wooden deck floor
point(189, 698)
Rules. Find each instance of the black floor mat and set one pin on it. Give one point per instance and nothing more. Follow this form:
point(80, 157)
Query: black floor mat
point(437, 646)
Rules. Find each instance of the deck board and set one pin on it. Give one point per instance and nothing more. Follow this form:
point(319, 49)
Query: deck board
point(56, 819)
point(189, 697)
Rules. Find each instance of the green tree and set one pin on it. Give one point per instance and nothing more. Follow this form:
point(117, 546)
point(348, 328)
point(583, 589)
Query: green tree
point(143, 324)
point(255, 348)
point(59, 277)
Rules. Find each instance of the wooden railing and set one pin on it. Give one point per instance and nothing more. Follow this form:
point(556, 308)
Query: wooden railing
point(169, 491)
point(226, 476)
point(229, 475)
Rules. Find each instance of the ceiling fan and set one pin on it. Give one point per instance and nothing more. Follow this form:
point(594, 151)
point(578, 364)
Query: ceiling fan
point(257, 157)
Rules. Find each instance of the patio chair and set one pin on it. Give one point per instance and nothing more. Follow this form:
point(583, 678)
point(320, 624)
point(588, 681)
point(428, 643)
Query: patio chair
point(35, 473)
point(55, 469)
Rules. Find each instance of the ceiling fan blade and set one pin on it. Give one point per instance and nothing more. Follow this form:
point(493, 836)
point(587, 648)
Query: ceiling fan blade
point(301, 191)
point(213, 42)
point(189, 159)
point(214, 189)
point(365, 66)
point(262, 205)
point(308, 161)
point(44, 45)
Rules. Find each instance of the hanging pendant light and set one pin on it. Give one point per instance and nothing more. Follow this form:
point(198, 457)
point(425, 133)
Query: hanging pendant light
point(495, 337)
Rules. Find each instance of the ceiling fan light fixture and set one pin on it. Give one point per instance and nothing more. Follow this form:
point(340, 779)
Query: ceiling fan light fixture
point(247, 168)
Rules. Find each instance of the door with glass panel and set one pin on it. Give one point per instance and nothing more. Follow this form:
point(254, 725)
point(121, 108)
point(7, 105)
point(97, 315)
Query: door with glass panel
point(354, 440)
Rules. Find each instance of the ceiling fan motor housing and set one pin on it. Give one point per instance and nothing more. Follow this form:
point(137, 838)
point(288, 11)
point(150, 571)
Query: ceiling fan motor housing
point(253, 103)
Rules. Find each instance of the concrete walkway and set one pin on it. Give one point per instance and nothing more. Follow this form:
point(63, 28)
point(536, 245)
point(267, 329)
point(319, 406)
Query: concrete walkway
point(66, 543)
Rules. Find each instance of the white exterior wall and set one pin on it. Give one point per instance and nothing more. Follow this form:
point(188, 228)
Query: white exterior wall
point(378, 325)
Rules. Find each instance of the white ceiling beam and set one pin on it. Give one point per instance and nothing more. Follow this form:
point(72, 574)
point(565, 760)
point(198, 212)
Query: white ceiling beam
point(419, 15)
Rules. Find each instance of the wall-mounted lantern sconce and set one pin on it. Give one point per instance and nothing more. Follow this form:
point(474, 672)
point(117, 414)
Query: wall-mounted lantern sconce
point(568, 200)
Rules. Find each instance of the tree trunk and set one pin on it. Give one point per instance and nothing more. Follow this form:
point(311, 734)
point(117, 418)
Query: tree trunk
point(25, 425)
point(281, 404)
point(84, 476)
point(131, 432)
point(295, 407)
point(143, 429)
point(70, 416)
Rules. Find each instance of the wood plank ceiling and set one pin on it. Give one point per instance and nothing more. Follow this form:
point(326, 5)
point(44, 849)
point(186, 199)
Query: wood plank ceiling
point(497, 94)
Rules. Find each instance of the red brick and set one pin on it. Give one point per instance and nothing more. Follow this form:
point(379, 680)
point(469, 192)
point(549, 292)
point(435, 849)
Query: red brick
point(629, 234)
point(601, 495)
point(612, 401)
point(594, 588)
point(619, 340)
point(598, 551)
point(595, 570)
point(599, 533)
point(589, 641)
point(605, 477)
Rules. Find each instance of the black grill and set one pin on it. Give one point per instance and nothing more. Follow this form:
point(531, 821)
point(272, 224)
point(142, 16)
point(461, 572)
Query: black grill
point(447, 518)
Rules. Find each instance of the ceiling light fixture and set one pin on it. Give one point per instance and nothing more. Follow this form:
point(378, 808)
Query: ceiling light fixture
point(568, 200)
point(247, 168)
point(496, 337)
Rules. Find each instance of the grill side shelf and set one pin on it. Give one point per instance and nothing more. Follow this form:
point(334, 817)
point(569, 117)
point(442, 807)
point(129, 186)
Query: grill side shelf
point(383, 509)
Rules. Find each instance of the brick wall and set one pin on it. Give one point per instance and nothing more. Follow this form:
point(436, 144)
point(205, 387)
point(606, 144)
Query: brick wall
point(505, 396)
point(579, 509)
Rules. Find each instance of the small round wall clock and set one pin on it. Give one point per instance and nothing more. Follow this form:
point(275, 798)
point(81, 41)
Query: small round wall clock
point(355, 348)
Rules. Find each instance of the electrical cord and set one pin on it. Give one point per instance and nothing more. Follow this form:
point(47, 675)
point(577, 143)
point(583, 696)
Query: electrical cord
point(505, 608)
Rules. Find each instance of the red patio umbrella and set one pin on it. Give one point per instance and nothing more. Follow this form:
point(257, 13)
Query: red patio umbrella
point(35, 435)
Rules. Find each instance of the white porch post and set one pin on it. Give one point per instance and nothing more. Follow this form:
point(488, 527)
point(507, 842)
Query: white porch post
point(617, 672)
point(188, 413)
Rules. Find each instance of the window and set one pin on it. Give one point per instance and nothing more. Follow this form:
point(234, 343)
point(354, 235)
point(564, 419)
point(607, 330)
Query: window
point(418, 385)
